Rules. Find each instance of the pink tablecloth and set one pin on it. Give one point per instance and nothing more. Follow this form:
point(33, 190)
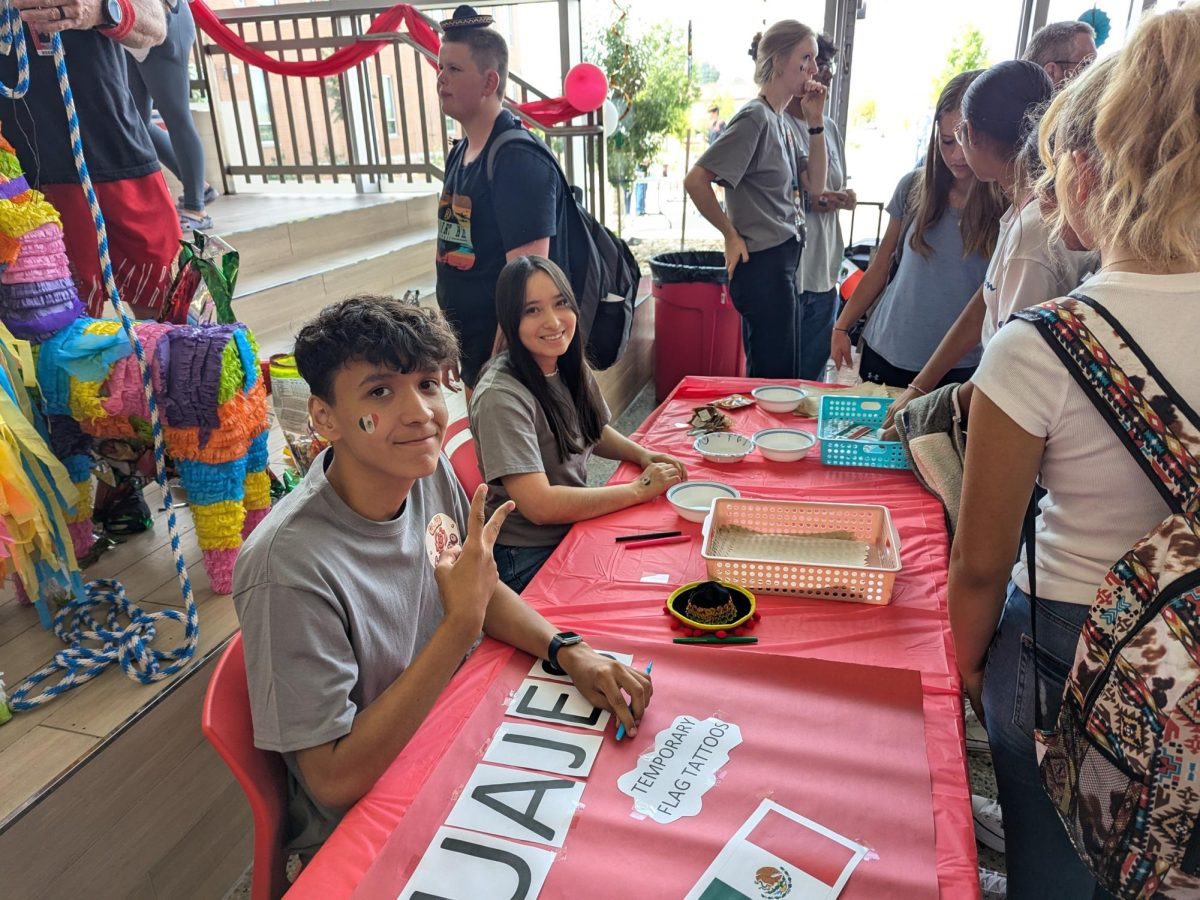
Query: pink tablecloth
point(590, 579)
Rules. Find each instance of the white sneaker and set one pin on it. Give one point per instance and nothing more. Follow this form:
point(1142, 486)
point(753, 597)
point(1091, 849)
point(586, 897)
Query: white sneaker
point(977, 739)
point(989, 828)
point(992, 885)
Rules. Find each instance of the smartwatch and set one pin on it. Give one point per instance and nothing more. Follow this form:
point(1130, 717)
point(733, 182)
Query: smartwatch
point(560, 640)
point(111, 14)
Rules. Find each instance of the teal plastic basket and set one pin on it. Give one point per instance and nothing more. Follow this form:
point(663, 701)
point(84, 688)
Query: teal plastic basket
point(838, 412)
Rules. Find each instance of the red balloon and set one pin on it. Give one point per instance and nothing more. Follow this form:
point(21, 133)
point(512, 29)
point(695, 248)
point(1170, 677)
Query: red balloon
point(586, 87)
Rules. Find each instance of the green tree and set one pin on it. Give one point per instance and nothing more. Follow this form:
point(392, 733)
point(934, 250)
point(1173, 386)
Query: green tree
point(966, 53)
point(707, 73)
point(864, 112)
point(647, 77)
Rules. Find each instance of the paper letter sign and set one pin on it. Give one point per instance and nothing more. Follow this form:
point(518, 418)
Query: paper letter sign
point(541, 667)
point(559, 704)
point(672, 777)
point(544, 749)
point(459, 865)
point(517, 805)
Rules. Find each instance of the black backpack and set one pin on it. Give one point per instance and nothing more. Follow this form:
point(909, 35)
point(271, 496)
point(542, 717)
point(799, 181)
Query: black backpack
point(600, 266)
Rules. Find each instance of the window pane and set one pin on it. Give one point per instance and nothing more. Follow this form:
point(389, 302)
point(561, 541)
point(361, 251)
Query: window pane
point(904, 53)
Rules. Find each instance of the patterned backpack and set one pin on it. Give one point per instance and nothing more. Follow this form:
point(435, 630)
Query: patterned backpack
point(1122, 764)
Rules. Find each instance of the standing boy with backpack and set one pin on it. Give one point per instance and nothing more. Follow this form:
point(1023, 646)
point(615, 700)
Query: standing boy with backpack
point(483, 222)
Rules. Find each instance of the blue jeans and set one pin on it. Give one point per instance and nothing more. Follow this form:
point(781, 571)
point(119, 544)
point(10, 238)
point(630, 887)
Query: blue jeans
point(816, 311)
point(518, 565)
point(1041, 859)
point(162, 80)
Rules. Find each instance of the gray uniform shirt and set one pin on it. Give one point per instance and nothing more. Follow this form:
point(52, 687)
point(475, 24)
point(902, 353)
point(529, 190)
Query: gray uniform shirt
point(757, 159)
point(333, 608)
point(823, 247)
point(927, 294)
point(513, 437)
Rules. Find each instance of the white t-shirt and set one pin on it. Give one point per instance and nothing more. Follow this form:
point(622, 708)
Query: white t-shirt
point(1099, 502)
point(1027, 269)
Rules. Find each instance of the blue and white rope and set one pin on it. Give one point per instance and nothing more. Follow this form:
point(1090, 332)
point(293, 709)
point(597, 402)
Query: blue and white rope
point(12, 36)
point(75, 622)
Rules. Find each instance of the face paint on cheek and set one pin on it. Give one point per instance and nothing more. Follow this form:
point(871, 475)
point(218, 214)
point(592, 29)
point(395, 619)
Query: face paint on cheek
point(368, 423)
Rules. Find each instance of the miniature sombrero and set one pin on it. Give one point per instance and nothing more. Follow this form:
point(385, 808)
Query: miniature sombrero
point(711, 606)
point(466, 17)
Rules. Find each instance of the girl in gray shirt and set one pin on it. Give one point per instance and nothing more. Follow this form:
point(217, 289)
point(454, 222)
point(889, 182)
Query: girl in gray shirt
point(537, 416)
point(933, 256)
point(763, 171)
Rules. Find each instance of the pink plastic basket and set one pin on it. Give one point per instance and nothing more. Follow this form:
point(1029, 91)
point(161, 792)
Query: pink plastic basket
point(773, 525)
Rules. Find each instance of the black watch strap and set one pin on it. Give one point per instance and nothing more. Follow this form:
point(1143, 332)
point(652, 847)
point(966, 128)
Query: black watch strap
point(560, 640)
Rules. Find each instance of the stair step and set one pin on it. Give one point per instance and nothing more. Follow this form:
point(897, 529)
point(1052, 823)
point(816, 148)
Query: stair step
point(276, 304)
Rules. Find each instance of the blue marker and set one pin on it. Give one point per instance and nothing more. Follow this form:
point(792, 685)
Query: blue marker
point(621, 726)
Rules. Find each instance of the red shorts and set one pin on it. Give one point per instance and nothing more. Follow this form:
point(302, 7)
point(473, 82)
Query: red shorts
point(143, 240)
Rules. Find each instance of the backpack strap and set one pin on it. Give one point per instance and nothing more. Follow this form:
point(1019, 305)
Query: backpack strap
point(503, 140)
point(1152, 420)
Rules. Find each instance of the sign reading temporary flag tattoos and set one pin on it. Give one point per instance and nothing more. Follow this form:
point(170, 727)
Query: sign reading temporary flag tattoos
point(508, 803)
point(558, 704)
point(465, 864)
point(779, 854)
point(545, 749)
point(672, 777)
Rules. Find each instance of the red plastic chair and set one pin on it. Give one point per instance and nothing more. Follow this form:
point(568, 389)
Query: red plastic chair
point(461, 451)
point(225, 722)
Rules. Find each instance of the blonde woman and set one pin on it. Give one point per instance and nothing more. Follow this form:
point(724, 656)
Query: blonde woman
point(1122, 147)
point(757, 161)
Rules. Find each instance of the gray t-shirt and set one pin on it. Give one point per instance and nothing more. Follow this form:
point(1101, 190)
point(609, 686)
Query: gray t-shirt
point(927, 294)
point(333, 609)
point(823, 247)
point(757, 159)
point(513, 437)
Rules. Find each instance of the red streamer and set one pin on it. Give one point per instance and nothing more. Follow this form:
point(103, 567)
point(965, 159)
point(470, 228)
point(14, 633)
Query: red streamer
point(545, 112)
point(334, 64)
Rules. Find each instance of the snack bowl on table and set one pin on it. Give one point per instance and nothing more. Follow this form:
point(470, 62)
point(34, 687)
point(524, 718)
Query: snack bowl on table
point(778, 398)
point(723, 446)
point(784, 444)
point(693, 499)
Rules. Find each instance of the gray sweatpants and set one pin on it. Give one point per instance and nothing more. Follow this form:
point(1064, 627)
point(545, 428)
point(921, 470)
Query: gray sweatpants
point(162, 81)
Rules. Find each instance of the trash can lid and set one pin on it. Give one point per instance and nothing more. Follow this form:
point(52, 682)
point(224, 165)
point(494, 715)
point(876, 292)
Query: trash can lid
point(689, 267)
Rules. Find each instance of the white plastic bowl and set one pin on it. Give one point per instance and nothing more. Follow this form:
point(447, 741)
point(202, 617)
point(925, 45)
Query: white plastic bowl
point(784, 444)
point(778, 398)
point(693, 499)
point(723, 446)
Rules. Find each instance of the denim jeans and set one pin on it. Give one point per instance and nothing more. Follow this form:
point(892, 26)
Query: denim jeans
point(816, 312)
point(518, 565)
point(1041, 860)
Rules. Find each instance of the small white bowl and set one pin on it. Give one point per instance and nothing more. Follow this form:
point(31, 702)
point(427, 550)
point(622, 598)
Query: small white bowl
point(784, 444)
point(723, 446)
point(693, 499)
point(778, 398)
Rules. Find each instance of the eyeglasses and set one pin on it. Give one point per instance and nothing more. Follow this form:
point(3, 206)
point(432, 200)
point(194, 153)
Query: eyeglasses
point(1074, 66)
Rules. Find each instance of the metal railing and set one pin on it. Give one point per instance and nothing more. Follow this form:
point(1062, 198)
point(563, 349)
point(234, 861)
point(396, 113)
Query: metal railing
point(379, 123)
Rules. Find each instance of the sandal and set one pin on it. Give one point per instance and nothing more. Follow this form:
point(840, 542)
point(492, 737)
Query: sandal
point(187, 223)
point(210, 196)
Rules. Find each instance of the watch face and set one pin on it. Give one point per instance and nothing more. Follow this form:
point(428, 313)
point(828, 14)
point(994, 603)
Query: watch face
point(567, 638)
point(113, 8)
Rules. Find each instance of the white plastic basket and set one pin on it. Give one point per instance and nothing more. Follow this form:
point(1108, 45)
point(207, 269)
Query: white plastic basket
point(868, 524)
